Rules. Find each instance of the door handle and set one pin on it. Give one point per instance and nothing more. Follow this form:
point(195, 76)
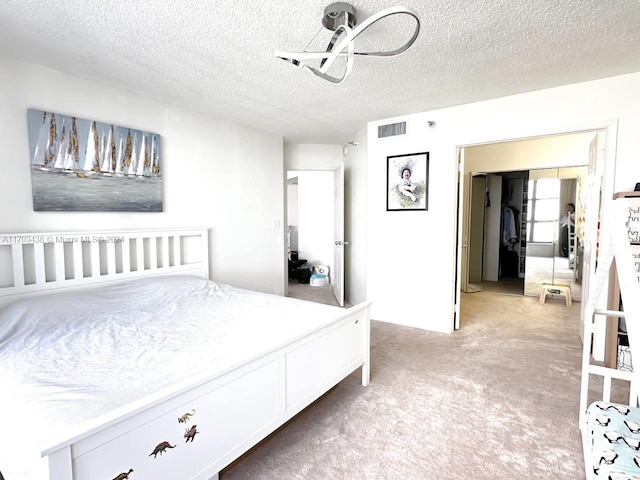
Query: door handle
point(340, 242)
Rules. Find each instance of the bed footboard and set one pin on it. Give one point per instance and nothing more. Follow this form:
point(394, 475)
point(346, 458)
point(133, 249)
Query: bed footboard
point(197, 431)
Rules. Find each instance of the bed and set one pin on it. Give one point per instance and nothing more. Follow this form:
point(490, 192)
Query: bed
point(120, 359)
point(611, 430)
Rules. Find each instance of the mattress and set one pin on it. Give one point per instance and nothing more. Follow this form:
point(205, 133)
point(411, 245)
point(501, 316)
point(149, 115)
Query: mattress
point(69, 359)
point(614, 440)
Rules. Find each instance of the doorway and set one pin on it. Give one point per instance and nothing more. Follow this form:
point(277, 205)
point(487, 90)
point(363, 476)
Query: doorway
point(516, 158)
point(311, 225)
point(495, 245)
point(519, 237)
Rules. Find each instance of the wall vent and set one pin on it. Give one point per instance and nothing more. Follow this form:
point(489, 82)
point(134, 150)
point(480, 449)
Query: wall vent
point(392, 129)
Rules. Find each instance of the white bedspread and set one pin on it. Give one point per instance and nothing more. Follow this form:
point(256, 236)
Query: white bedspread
point(66, 359)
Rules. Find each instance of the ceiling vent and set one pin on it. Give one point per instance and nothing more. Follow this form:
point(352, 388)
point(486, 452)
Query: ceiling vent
point(392, 129)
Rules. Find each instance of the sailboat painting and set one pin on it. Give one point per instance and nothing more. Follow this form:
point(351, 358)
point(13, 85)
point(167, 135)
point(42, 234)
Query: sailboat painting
point(80, 165)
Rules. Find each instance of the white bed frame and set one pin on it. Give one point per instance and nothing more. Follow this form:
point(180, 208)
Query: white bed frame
point(615, 247)
point(246, 402)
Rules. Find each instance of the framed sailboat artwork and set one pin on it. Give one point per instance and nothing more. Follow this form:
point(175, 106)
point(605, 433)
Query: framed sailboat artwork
point(85, 165)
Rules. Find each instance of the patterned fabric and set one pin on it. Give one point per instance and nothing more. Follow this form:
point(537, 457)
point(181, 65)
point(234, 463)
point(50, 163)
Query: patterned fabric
point(615, 440)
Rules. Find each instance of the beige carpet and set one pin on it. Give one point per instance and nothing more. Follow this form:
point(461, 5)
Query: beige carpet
point(323, 294)
point(550, 270)
point(496, 400)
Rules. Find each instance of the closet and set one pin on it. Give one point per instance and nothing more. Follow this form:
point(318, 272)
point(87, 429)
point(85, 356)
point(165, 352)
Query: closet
point(505, 227)
point(515, 233)
point(521, 262)
point(513, 225)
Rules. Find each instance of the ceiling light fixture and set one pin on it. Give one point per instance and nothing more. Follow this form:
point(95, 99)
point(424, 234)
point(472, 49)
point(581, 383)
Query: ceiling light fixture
point(340, 17)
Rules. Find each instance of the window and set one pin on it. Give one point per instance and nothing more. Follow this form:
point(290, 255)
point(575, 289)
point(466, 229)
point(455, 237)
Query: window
point(542, 210)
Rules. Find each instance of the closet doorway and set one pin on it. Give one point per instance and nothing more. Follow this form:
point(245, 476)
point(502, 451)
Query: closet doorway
point(497, 232)
point(513, 235)
point(519, 234)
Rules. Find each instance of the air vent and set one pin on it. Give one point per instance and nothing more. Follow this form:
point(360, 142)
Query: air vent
point(392, 129)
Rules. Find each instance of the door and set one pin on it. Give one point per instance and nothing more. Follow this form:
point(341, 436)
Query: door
point(475, 232)
point(543, 207)
point(492, 231)
point(595, 186)
point(339, 243)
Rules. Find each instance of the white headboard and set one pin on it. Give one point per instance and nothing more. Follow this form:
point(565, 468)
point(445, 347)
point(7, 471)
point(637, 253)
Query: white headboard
point(34, 263)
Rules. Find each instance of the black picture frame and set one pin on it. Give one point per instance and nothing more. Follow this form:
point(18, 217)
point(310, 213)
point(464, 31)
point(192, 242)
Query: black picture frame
point(408, 182)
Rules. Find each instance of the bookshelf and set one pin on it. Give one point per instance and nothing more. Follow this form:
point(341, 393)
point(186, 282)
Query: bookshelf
point(616, 334)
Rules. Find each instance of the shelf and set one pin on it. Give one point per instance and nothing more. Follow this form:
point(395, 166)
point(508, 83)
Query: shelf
point(626, 195)
point(613, 333)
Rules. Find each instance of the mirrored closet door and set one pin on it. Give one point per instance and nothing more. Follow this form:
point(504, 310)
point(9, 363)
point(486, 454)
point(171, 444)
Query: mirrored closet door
point(554, 222)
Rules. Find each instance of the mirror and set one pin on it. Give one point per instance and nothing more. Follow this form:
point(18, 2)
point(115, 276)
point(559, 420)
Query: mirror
point(555, 200)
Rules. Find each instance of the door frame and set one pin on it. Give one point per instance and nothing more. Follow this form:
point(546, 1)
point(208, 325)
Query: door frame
point(609, 129)
point(338, 234)
point(469, 242)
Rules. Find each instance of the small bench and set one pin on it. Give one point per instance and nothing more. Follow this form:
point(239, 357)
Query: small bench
point(550, 288)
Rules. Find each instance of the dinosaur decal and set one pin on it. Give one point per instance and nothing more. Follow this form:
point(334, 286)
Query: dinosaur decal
point(190, 434)
point(124, 475)
point(185, 418)
point(160, 448)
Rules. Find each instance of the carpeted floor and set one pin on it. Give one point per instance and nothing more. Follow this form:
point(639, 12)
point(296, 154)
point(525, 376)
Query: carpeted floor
point(550, 270)
point(496, 400)
point(305, 291)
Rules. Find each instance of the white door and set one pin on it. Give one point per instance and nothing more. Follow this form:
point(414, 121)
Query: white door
point(339, 243)
point(492, 232)
point(595, 187)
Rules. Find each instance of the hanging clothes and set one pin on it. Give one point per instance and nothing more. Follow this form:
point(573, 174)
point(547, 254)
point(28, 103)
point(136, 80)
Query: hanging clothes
point(509, 232)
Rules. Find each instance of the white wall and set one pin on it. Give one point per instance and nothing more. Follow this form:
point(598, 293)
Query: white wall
point(217, 174)
point(545, 152)
point(411, 255)
point(302, 156)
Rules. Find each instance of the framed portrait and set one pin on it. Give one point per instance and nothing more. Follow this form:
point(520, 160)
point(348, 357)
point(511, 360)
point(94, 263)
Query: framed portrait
point(408, 182)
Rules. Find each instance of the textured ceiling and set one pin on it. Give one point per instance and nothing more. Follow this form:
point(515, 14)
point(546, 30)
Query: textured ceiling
point(217, 56)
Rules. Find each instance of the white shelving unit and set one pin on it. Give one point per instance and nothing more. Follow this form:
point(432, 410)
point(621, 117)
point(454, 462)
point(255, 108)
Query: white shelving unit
point(616, 259)
point(619, 248)
point(522, 253)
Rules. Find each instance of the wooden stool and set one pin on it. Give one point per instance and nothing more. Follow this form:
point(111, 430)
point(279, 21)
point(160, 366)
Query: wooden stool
point(564, 290)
